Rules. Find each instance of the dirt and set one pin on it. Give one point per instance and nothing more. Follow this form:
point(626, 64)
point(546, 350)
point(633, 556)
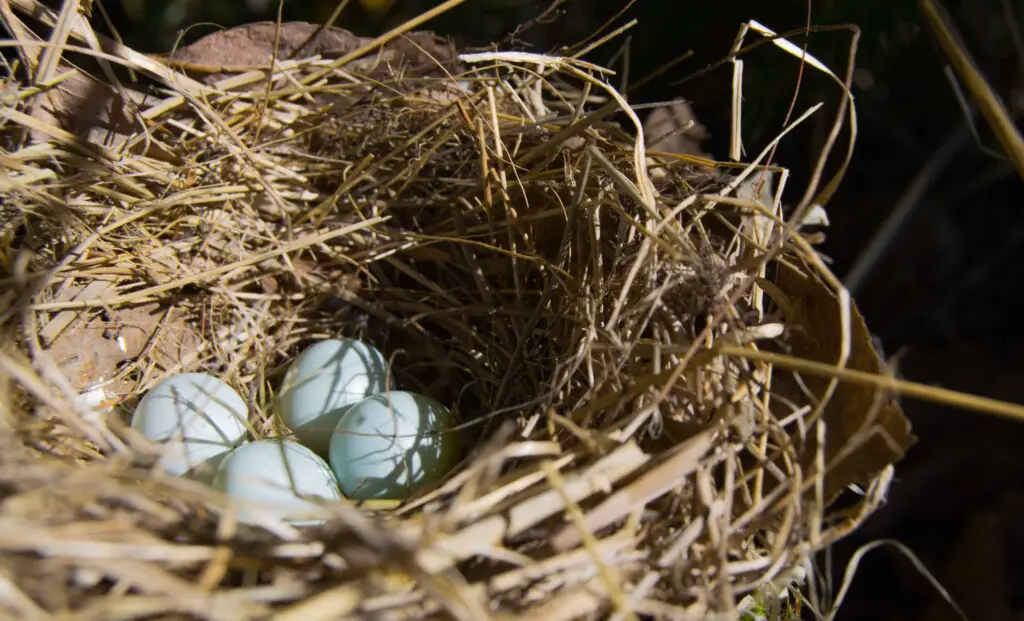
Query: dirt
point(108, 348)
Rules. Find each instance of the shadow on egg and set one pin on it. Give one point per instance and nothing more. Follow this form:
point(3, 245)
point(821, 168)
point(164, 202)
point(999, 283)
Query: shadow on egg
point(322, 383)
point(392, 446)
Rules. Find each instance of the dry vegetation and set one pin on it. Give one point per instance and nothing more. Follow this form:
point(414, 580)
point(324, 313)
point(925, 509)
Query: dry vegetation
point(603, 319)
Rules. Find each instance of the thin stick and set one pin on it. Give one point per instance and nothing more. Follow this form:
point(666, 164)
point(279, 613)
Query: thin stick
point(991, 104)
point(933, 394)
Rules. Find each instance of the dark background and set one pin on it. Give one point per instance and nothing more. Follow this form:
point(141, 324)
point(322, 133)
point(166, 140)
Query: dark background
point(945, 297)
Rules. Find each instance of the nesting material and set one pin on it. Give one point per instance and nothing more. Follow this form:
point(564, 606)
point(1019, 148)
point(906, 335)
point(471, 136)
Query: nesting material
point(583, 306)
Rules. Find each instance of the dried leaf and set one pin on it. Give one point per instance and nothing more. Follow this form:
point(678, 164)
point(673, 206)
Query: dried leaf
point(95, 112)
point(75, 101)
point(251, 46)
point(88, 108)
point(815, 335)
point(674, 129)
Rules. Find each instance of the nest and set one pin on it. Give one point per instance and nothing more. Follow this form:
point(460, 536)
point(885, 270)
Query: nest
point(607, 323)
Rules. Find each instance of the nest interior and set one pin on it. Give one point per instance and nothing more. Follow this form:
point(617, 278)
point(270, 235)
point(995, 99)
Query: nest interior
point(582, 304)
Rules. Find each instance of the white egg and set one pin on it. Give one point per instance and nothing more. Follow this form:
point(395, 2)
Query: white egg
point(393, 445)
point(323, 382)
point(199, 418)
point(279, 479)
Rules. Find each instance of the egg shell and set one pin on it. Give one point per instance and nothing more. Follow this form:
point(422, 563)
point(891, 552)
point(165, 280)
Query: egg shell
point(194, 459)
point(277, 479)
point(388, 446)
point(323, 382)
point(199, 417)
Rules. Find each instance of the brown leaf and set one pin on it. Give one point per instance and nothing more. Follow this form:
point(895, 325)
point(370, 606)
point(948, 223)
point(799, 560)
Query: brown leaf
point(88, 108)
point(814, 334)
point(251, 46)
point(75, 101)
point(94, 111)
point(428, 254)
point(668, 129)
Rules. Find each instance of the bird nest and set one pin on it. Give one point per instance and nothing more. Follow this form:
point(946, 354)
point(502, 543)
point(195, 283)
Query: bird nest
point(642, 364)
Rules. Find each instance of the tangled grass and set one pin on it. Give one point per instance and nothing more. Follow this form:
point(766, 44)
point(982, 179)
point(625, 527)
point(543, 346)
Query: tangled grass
point(606, 321)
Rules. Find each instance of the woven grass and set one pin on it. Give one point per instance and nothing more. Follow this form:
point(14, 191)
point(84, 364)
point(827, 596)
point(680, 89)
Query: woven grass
point(605, 321)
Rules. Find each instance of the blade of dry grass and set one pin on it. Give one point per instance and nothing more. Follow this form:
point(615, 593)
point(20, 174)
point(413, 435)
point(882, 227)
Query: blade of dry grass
point(992, 107)
point(934, 394)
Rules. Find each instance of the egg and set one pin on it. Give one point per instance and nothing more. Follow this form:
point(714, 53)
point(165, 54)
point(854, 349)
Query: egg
point(323, 382)
point(392, 445)
point(278, 479)
point(197, 416)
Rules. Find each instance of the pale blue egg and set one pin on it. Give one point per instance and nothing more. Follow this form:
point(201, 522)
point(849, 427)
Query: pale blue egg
point(197, 416)
point(280, 479)
point(392, 445)
point(323, 381)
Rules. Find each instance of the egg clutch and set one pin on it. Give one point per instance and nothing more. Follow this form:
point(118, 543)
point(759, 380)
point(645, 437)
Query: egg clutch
point(356, 437)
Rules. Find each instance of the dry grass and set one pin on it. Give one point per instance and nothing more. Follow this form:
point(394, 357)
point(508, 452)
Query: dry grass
point(604, 321)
